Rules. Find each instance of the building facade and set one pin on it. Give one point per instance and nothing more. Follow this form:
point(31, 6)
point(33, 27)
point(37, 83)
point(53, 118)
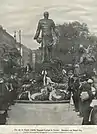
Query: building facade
point(7, 43)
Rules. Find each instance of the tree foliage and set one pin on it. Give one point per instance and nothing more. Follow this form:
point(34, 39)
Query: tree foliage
point(71, 35)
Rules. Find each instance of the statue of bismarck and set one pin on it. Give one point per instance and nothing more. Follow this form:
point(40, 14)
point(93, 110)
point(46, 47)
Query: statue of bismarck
point(45, 28)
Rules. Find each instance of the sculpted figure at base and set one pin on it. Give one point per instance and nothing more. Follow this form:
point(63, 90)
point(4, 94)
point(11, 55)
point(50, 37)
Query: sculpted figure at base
point(45, 27)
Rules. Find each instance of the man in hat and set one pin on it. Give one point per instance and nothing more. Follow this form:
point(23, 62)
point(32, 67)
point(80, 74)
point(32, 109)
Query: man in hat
point(46, 26)
point(86, 96)
point(74, 84)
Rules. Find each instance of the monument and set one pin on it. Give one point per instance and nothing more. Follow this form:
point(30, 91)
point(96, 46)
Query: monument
point(45, 29)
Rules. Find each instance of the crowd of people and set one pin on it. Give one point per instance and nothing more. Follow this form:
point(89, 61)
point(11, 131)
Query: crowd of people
point(83, 91)
point(81, 88)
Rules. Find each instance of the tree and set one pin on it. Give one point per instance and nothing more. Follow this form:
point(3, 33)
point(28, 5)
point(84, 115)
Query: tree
point(71, 36)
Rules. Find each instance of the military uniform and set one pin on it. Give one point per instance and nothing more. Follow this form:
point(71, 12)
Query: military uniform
point(46, 26)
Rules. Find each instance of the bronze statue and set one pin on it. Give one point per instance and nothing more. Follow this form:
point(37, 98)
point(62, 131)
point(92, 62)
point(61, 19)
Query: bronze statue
point(45, 27)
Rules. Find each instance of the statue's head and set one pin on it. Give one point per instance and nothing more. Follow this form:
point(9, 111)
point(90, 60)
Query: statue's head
point(46, 15)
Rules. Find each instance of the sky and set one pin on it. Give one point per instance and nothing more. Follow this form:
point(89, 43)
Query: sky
point(24, 15)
